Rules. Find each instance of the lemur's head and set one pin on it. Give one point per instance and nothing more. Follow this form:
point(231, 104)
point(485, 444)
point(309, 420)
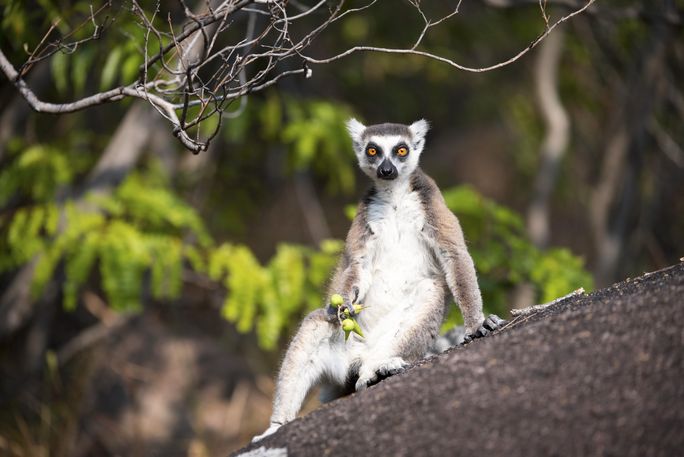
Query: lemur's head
point(388, 151)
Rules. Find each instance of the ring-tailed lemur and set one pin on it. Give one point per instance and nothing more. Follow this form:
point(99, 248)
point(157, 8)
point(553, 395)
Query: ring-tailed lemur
point(403, 250)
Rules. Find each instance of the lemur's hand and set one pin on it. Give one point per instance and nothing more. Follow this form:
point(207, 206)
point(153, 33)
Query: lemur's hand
point(493, 322)
point(348, 306)
point(340, 303)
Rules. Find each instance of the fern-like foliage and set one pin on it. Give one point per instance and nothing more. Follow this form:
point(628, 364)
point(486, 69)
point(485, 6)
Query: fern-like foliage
point(36, 173)
point(141, 228)
point(138, 241)
point(504, 256)
point(268, 297)
point(318, 140)
point(313, 130)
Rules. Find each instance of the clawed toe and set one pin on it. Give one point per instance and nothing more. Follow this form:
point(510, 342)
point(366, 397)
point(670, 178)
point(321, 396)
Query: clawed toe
point(492, 323)
point(391, 369)
point(382, 371)
point(362, 384)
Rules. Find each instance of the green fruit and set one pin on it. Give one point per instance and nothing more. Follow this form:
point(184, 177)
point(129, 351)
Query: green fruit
point(348, 325)
point(336, 300)
point(357, 329)
point(357, 310)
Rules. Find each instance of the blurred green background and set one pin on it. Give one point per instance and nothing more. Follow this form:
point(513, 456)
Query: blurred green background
point(147, 293)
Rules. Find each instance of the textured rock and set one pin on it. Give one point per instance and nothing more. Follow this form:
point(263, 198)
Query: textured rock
point(600, 374)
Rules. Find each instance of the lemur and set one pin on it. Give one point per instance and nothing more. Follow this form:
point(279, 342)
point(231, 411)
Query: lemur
point(403, 250)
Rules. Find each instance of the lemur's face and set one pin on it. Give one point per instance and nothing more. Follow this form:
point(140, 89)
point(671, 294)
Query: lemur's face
point(388, 151)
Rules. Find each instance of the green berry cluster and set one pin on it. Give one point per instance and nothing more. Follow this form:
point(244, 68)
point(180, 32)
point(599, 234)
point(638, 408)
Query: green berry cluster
point(347, 322)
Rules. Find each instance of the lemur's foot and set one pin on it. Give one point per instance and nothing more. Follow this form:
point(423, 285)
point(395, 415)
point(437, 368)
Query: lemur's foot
point(269, 431)
point(493, 322)
point(377, 372)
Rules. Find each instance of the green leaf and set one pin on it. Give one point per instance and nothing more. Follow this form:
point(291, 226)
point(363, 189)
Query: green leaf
point(271, 116)
point(78, 265)
point(110, 70)
point(80, 68)
point(505, 257)
point(129, 68)
point(59, 64)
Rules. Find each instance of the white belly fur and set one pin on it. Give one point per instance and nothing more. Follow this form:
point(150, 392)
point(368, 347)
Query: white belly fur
point(401, 266)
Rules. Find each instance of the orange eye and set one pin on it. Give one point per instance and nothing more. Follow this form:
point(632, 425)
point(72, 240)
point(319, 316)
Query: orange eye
point(401, 152)
point(372, 151)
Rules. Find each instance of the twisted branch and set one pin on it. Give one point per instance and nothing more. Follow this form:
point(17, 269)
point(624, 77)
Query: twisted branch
point(195, 71)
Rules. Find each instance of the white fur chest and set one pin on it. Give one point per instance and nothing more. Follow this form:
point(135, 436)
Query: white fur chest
point(396, 224)
point(399, 255)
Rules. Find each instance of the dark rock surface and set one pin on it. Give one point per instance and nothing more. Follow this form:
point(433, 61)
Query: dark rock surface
point(599, 374)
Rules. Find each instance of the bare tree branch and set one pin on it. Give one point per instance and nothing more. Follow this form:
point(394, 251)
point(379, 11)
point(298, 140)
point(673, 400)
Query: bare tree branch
point(671, 17)
point(451, 62)
point(195, 72)
point(109, 323)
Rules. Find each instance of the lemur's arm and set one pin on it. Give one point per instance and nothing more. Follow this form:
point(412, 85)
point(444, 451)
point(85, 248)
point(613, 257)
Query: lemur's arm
point(450, 249)
point(352, 277)
point(457, 264)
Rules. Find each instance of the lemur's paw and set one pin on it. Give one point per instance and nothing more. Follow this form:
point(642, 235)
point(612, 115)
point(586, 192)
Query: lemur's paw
point(269, 431)
point(493, 322)
point(347, 304)
point(377, 372)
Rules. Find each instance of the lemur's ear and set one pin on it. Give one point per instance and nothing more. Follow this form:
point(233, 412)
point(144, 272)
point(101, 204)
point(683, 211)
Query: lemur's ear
point(419, 129)
point(355, 129)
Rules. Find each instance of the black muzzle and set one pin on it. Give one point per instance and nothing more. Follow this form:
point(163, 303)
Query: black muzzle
point(387, 170)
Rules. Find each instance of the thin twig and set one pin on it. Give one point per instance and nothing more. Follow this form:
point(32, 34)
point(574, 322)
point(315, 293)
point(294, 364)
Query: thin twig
point(536, 308)
point(451, 62)
point(190, 66)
